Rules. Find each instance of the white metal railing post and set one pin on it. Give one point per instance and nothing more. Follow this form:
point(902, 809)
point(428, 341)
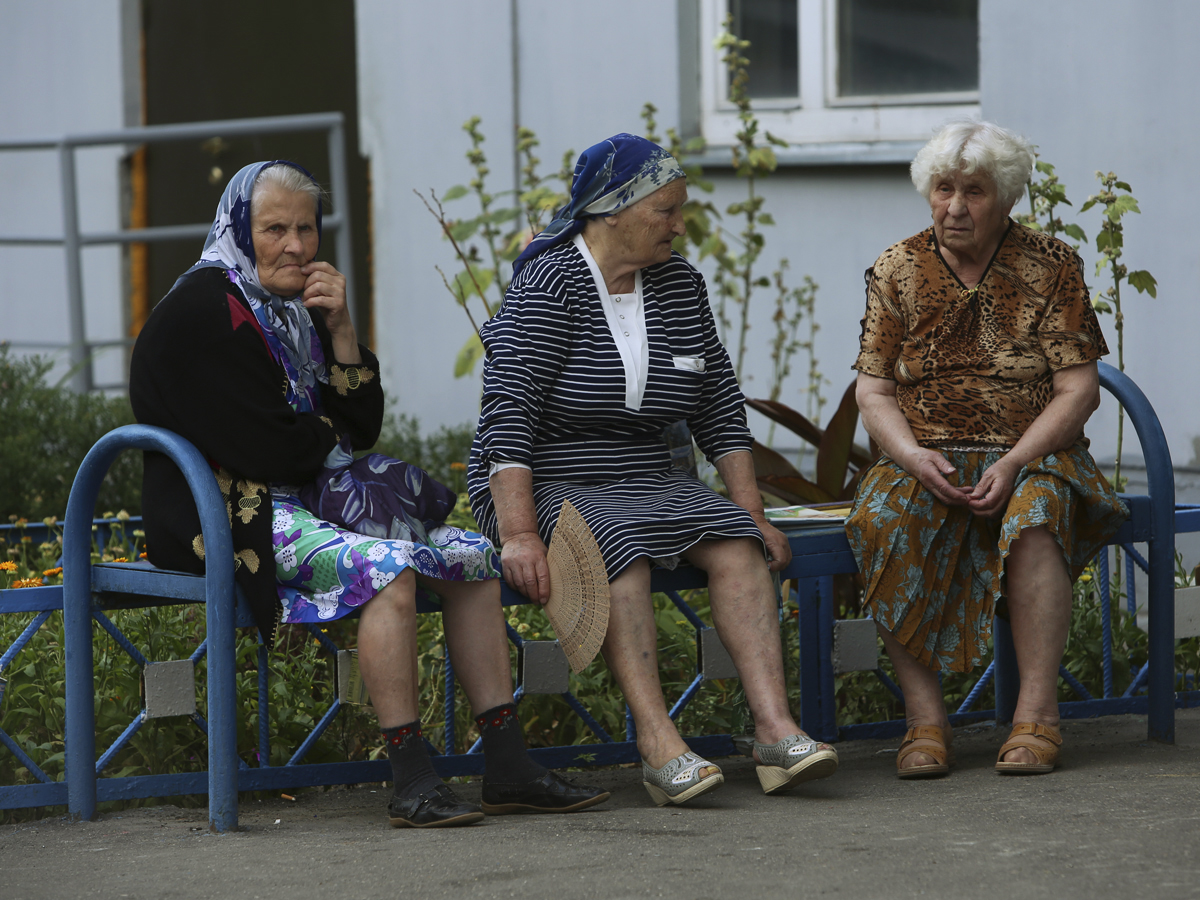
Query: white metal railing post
point(341, 191)
point(81, 365)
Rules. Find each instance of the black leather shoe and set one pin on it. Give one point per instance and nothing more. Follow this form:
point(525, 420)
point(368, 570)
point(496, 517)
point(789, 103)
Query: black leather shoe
point(436, 808)
point(549, 794)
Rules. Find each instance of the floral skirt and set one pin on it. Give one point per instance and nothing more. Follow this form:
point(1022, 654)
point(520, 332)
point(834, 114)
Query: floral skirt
point(325, 572)
point(934, 574)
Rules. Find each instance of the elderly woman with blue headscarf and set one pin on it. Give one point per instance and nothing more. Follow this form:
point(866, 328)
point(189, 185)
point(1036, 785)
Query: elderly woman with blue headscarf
point(604, 338)
point(278, 399)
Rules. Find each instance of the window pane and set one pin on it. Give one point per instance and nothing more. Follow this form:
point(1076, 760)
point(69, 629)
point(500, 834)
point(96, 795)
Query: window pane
point(770, 27)
point(909, 47)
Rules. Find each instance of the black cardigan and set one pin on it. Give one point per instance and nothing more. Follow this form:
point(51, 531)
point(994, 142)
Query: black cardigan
point(201, 368)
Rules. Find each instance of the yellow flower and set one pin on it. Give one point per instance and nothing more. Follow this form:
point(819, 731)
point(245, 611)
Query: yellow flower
point(458, 467)
point(120, 559)
point(1085, 577)
point(8, 566)
point(106, 515)
point(51, 573)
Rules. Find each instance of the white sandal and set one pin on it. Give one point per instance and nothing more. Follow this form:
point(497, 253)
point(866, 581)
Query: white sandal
point(679, 780)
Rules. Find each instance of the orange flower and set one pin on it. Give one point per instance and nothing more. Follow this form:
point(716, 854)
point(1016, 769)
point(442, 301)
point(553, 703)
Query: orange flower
point(458, 467)
point(50, 573)
point(8, 566)
point(27, 582)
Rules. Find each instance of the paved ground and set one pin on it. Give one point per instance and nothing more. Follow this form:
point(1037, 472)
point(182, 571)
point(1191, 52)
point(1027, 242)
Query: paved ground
point(1121, 819)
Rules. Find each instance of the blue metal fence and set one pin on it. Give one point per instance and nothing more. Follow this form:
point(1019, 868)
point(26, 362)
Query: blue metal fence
point(818, 555)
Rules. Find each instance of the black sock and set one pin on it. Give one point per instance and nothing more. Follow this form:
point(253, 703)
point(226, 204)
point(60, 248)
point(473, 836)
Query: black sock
point(412, 771)
point(505, 758)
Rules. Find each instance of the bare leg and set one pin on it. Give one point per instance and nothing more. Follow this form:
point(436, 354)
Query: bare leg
point(387, 651)
point(631, 651)
point(923, 701)
point(746, 616)
point(1039, 604)
point(473, 620)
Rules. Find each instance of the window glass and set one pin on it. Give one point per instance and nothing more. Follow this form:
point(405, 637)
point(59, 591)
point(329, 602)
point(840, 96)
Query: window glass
point(908, 47)
point(770, 27)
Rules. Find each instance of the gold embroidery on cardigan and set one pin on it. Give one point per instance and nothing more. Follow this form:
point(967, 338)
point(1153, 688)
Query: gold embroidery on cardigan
point(249, 557)
point(250, 500)
point(348, 379)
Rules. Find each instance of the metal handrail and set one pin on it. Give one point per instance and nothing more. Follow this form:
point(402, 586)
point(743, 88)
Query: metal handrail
point(220, 609)
point(72, 240)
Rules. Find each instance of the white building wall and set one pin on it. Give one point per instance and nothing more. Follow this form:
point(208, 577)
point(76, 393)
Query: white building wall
point(61, 71)
point(1108, 85)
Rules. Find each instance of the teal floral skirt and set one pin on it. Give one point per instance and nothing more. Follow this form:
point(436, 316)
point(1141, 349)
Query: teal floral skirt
point(933, 574)
point(325, 572)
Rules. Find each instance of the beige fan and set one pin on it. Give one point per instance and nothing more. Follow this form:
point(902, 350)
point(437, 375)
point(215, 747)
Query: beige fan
point(579, 597)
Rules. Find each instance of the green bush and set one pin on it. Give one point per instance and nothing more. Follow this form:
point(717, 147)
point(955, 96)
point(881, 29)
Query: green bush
point(47, 430)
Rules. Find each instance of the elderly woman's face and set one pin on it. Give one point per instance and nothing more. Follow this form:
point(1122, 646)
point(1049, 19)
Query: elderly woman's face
point(283, 225)
point(645, 230)
point(967, 213)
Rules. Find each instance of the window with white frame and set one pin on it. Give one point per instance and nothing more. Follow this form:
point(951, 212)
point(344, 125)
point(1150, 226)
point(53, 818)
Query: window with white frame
point(851, 73)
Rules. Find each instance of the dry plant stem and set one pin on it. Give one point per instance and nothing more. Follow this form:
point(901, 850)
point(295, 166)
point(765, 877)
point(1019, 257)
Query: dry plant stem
point(440, 215)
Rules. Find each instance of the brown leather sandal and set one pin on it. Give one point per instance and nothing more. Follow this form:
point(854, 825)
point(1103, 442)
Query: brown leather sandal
point(1042, 741)
point(927, 739)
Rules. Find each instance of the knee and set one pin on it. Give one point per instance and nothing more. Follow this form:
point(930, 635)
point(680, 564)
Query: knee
point(399, 596)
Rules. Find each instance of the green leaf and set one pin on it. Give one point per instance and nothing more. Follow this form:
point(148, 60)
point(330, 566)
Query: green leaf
point(1122, 185)
point(1144, 282)
point(505, 214)
point(460, 231)
point(766, 219)
point(468, 356)
point(1088, 204)
point(1100, 306)
point(1074, 231)
point(1044, 167)
point(454, 193)
point(473, 281)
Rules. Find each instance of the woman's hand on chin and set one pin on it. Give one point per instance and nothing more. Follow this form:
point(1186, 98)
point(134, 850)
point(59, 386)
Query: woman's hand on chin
point(990, 497)
point(325, 290)
point(931, 468)
point(523, 558)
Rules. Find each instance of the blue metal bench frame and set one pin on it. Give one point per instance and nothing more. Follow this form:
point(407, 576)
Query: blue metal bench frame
point(818, 554)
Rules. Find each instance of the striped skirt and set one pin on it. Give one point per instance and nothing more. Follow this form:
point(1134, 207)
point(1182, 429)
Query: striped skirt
point(933, 574)
point(658, 516)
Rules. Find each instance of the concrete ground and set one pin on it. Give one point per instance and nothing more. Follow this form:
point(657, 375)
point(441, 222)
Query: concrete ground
point(1121, 818)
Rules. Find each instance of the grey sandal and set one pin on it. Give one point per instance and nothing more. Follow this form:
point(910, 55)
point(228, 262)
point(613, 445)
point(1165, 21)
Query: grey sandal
point(679, 780)
point(792, 761)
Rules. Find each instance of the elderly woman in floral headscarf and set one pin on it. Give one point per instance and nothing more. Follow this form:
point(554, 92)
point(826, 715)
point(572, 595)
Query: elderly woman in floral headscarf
point(276, 399)
point(606, 337)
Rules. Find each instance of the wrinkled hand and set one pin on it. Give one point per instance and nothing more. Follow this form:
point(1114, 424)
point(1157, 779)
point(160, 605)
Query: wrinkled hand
point(931, 468)
point(778, 548)
point(523, 558)
point(325, 290)
point(990, 497)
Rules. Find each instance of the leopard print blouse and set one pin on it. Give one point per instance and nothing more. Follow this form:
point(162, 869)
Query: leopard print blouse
point(977, 366)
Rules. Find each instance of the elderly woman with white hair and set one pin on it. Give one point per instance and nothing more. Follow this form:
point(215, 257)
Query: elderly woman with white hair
point(977, 372)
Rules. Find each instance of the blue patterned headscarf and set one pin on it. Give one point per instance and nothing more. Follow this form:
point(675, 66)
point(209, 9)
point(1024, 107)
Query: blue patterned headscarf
point(230, 246)
point(609, 176)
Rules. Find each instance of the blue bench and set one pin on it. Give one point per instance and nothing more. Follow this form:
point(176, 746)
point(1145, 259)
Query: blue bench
point(818, 555)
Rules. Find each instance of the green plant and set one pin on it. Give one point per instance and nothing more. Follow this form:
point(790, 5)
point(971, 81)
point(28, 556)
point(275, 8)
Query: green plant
point(485, 271)
point(1110, 243)
point(736, 279)
point(1045, 194)
point(47, 430)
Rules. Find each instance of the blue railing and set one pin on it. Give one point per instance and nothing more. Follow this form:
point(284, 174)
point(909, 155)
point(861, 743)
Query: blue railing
point(818, 555)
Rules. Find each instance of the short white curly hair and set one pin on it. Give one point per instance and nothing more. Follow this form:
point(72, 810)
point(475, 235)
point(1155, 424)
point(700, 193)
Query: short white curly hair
point(968, 147)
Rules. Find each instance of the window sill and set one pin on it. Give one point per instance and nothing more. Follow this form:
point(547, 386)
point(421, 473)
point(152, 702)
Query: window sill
point(848, 153)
